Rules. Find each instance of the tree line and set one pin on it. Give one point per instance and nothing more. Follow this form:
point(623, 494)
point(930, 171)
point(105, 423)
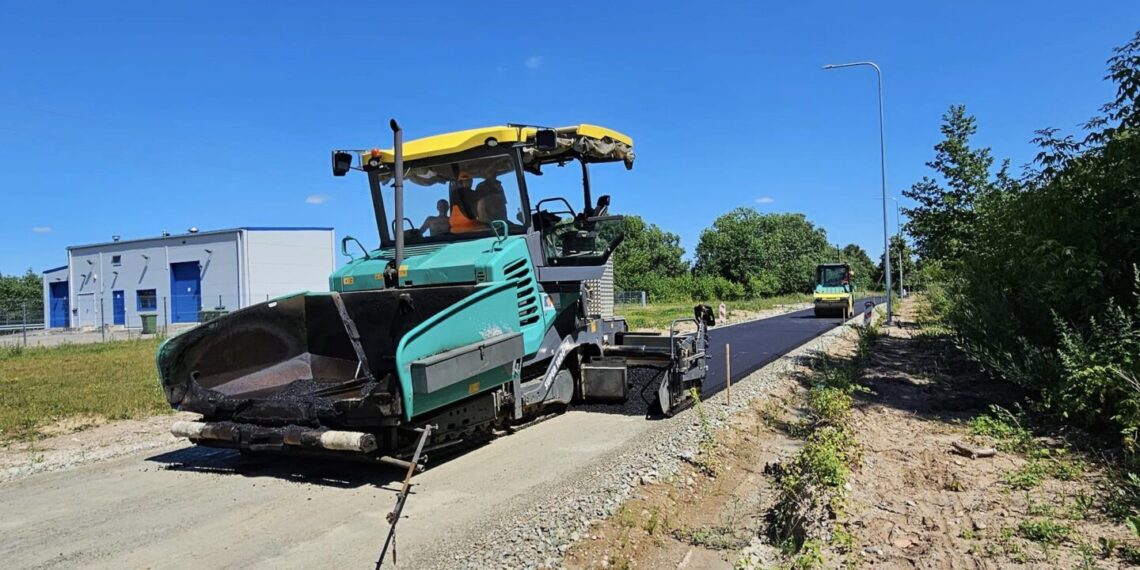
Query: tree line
point(743, 254)
point(18, 289)
point(1037, 272)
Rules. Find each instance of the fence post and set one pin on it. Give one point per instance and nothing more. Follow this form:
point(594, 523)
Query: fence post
point(644, 301)
point(24, 325)
point(165, 316)
point(102, 321)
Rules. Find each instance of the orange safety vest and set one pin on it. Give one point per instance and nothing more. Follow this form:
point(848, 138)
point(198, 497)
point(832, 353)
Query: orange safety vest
point(460, 223)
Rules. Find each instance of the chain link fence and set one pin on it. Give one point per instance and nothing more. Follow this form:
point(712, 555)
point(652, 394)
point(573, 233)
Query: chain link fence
point(108, 316)
point(19, 317)
point(639, 298)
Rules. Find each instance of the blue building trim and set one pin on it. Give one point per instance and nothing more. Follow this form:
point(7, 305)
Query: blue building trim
point(46, 271)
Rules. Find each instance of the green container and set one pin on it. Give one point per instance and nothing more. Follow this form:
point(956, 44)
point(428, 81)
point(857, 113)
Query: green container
point(149, 323)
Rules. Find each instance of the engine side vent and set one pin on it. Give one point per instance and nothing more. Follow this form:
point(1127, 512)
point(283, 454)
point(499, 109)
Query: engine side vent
point(520, 272)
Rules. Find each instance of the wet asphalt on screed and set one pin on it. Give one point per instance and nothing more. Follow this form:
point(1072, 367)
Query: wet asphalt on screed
point(754, 344)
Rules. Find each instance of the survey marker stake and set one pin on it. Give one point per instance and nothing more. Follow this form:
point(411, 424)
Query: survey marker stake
point(394, 516)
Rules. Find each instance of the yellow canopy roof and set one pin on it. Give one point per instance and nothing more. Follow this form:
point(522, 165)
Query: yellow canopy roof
point(459, 141)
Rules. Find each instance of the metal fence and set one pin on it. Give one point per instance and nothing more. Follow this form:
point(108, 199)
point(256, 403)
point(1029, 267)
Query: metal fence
point(631, 298)
point(18, 317)
point(109, 316)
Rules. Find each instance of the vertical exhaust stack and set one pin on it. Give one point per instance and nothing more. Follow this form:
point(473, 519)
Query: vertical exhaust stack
point(398, 149)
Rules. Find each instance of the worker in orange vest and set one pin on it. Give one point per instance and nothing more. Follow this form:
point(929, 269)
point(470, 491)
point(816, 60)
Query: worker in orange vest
point(463, 218)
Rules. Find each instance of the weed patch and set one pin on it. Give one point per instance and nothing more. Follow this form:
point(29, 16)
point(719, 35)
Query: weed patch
point(812, 484)
point(1043, 530)
point(708, 457)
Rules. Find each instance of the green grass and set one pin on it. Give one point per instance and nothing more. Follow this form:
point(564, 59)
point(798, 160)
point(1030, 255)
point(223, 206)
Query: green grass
point(112, 380)
point(1003, 426)
point(1043, 530)
point(657, 316)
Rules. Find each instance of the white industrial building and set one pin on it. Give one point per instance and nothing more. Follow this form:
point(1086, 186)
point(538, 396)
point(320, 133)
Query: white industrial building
point(175, 277)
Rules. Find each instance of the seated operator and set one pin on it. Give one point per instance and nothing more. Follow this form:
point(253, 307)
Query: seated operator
point(492, 201)
point(464, 217)
point(439, 224)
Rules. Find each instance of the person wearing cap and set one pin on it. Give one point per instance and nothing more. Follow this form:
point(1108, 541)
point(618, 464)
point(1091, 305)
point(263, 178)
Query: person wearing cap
point(463, 216)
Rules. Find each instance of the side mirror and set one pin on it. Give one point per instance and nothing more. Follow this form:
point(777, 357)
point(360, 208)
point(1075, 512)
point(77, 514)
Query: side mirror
point(546, 139)
point(341, 162)
point(344, 247)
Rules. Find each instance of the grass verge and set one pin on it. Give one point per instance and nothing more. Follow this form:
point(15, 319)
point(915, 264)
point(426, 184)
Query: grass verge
point(43, 386)
point(657, 316)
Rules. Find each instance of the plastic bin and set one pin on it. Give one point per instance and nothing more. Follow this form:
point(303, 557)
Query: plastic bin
point(149, 323)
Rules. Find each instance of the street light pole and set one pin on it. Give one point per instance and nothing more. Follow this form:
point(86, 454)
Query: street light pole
point(902, 247)
point(883, 163)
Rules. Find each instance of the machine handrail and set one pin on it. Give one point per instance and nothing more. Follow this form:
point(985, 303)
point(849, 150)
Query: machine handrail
point(673, 333)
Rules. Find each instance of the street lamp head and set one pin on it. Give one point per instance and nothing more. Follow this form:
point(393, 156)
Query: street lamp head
point(852, 64)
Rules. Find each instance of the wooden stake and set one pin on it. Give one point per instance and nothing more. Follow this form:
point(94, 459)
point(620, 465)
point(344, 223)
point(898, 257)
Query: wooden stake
point(728, 372)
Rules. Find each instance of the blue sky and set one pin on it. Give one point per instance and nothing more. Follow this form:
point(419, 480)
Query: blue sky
point(134, 119)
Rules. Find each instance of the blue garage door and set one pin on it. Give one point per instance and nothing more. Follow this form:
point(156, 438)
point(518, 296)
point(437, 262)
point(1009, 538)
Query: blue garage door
point(118, 308)
point(185, 292)
point(60, 309)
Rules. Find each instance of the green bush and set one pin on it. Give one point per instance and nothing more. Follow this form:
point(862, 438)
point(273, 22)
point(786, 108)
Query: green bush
point(692, 288)
point(1038, 276)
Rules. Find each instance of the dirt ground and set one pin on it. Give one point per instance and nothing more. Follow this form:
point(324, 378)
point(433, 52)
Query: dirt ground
point(912, 500)
point(82, 440)
point(917, 504)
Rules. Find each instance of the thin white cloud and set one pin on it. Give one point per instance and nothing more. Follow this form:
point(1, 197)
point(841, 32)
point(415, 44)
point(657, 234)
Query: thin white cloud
point(317, 199)
point(765, 200)
point(533, 61)
point(41, 230)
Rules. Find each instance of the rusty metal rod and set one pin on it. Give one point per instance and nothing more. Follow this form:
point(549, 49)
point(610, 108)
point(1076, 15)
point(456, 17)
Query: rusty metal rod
point(394, 516)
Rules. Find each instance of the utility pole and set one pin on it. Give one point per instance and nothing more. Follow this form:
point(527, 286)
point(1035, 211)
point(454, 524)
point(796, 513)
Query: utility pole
point(883, 165)
point(902, 247)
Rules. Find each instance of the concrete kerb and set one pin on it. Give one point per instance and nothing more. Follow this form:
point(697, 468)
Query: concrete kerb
point(564, 514)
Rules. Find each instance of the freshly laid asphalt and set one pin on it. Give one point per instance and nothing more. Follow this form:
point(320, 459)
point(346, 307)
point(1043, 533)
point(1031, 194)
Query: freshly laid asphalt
point(754, 344)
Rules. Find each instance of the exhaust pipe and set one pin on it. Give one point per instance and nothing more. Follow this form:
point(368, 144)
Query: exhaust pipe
point(398, 165)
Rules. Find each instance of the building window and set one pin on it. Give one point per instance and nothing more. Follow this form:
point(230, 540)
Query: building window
point(147, 299)
point(116, 260)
